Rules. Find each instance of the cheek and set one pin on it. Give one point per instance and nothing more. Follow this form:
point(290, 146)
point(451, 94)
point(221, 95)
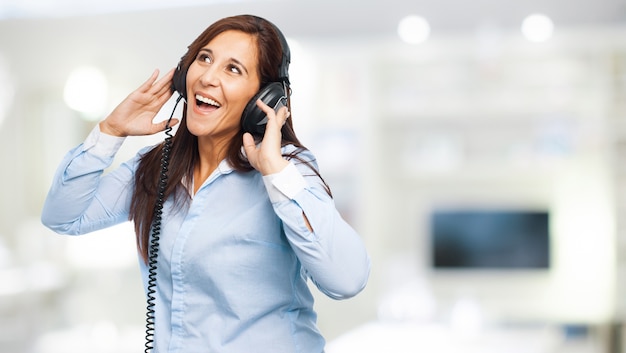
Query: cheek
point(240, 98)
point(191, 75)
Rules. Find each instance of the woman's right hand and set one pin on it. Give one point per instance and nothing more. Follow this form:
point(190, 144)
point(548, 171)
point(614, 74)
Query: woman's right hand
point(134, 115)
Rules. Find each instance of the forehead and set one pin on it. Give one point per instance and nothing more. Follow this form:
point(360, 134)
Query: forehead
point(236, 45)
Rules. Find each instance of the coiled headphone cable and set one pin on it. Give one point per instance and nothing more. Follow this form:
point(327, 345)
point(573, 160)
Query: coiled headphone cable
point(156, 232)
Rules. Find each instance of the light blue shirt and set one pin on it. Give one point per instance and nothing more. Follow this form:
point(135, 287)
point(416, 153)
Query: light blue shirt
point(233, 267)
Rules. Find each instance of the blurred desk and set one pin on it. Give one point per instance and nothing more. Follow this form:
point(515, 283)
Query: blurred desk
point(438, 338)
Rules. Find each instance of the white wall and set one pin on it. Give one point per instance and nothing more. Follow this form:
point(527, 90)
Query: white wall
point(503, 124)
point(397, 129)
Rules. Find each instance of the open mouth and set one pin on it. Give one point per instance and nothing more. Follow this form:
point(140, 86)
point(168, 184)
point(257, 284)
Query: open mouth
point(205, 103)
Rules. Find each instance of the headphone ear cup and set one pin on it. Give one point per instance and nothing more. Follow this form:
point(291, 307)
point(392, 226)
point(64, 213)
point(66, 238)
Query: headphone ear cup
point(179, 81)
point(253, 119)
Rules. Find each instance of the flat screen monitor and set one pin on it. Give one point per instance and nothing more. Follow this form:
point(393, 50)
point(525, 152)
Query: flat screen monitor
point(490, 239)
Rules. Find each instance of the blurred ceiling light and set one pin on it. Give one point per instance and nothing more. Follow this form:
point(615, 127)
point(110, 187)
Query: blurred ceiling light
point(537, 28)
point(413, 29)
point(86, 92)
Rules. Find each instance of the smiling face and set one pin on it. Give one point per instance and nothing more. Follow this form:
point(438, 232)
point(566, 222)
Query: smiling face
point(220, 82)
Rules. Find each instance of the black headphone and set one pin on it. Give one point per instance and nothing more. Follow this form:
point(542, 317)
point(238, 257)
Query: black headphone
point(274, 94)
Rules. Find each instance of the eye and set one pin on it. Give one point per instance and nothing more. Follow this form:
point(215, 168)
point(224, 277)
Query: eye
point(234, 69)
point(204, 57)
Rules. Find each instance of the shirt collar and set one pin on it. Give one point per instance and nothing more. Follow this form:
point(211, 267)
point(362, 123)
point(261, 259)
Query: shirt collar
point(223, 168)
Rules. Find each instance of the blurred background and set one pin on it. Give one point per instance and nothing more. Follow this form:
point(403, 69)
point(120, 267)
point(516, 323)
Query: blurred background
point(477, 146)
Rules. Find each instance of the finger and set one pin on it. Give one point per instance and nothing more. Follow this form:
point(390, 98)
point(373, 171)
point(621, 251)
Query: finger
point(248, 140)
point(285, 113)
point(264, 107)
point(163, 84)
point(269, 111)
point(145, 87)
point(164, 124)
point(249, 145)
point(163, 95)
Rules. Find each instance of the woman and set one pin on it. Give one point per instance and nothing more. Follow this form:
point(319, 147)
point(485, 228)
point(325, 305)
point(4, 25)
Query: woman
point(242, 222)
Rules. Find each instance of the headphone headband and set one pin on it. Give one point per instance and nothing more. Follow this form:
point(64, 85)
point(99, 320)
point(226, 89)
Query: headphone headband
point(283, 70)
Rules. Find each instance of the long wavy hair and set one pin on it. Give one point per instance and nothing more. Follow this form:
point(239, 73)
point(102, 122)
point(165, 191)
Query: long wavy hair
point(184, 151)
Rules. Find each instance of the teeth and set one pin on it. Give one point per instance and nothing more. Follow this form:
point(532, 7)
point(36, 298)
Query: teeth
point(207, 100)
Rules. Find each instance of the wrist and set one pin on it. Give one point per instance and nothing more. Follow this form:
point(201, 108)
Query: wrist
point(105, 128)
point(275, 166)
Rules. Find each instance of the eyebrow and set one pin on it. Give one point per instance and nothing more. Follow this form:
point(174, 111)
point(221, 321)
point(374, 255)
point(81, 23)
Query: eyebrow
point(239, 63)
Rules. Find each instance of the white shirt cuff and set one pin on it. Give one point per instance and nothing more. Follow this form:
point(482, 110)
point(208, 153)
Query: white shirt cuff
point(284, 185)
point(101, 144)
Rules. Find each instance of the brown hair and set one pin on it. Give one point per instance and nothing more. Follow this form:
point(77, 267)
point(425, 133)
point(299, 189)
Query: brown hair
point(184, 151)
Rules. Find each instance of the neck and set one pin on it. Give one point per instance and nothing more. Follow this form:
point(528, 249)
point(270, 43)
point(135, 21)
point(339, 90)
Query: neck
point(211, 152)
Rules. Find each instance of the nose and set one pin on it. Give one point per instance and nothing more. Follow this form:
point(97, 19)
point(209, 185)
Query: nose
point(209, 77)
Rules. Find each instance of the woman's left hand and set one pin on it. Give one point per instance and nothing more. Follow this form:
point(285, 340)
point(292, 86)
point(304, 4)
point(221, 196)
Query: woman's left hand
point(267, 157)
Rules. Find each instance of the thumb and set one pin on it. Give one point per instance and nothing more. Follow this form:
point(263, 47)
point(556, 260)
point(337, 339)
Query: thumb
point(248, 144)
point(164, 124)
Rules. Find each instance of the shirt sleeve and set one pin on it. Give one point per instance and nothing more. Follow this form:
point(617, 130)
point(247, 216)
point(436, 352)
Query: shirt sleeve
point(81, 198)
point(332, 254)
point(101, 144)
point(285, 184)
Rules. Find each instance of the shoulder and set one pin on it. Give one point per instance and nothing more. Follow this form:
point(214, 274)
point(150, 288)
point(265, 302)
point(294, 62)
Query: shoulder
point(299, 154)
point(141, 157)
